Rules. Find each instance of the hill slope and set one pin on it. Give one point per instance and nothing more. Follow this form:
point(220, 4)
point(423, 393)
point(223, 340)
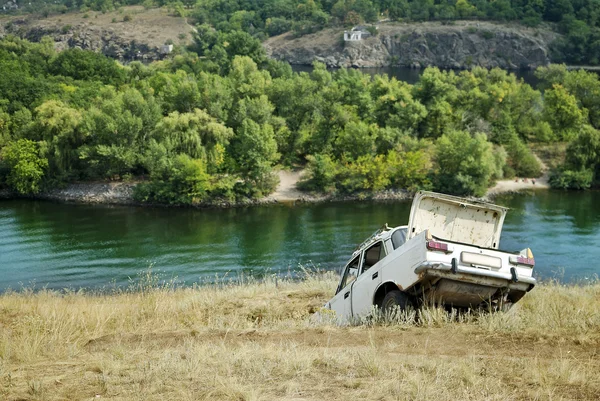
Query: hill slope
point(131, 33)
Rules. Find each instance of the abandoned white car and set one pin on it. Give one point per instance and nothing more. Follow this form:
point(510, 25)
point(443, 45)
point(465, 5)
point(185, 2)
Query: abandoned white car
point(447, 254)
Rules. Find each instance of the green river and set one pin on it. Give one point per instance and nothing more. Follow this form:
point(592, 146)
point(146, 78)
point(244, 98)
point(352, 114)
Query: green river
point(46, 244)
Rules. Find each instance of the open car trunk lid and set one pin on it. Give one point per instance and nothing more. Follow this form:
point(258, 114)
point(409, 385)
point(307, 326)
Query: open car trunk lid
point(456, 219)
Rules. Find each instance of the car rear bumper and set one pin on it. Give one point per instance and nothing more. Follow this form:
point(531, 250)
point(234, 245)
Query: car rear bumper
point(476, 275)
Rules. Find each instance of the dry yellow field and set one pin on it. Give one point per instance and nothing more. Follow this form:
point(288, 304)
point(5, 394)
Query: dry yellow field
point(256, 341)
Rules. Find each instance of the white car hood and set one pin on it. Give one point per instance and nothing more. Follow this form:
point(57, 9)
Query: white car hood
point(456, 219)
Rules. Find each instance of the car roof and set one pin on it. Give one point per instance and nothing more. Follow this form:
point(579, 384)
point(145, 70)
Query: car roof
point(382, 234)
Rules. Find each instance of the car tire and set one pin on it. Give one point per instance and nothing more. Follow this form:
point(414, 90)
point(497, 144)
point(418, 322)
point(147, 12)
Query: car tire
point(394, 302)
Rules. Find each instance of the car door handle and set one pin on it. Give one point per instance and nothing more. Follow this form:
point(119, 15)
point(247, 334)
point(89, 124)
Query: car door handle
point(346, 295)
point(375, 275)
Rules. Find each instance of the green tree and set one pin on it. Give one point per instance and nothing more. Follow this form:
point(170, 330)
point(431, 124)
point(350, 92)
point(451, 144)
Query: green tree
point(5, 121)
point(195, 134)
point(562, 112)
point(255, 151)
point(27, 166)
point(59, 126)
point(465, 9)
point(357, 139)
point(321, 173)
point(437, 91)
point(182, 181)
point(87, 65)
point(395, 105)
point(466, 163)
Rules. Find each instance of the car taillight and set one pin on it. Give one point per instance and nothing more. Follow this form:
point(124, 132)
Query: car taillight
point(522, 260)
point(437, 246)
point(525, 257)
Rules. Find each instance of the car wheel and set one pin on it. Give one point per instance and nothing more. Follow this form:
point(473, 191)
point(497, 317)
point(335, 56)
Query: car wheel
point(394, 302)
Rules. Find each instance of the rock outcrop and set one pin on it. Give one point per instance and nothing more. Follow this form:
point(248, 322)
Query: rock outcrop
point(131, 34)
point(97, 39)
point(463, 44)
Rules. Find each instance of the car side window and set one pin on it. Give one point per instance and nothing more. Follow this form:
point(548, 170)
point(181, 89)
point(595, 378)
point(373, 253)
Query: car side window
point(350, 273)
point(373, 255)
point(399, 238)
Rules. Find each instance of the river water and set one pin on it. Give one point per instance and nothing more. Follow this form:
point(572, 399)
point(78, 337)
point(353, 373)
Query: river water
point(65, 245)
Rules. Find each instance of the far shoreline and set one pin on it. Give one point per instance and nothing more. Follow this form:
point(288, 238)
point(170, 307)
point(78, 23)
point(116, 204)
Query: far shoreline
point(121, 194)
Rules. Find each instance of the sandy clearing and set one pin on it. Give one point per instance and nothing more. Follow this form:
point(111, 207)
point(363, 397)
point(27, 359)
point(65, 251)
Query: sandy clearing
point(518, 184)
point(521, 183)
point(287, 189)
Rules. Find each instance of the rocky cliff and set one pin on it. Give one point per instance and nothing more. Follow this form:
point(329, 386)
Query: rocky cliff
point(132, 33)
point(461, 45)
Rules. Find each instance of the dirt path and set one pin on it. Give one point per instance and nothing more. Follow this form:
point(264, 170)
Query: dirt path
point(287, 189)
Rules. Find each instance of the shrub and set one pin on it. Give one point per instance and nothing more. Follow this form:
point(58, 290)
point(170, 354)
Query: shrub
point(466, 164)
point(367, 173)
point(522, 159)
point(320, 174)
point(409, 170)
point(26, 166)
point(487, 34)
point(277, 26)
point(569, 179)
point(182, 182)
point(373, 30)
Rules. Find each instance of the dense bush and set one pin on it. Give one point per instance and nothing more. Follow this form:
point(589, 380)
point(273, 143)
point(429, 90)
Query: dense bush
point(26, 166)
point(466, 163)
point(181, 181)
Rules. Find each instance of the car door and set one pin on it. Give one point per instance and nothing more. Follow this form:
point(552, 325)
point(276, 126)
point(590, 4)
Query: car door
point(342, 302)
point(369, 279)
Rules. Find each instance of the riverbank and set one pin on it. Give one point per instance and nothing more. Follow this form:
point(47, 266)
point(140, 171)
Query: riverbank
point(121, 193)
point(257, 341)
point(287, 192)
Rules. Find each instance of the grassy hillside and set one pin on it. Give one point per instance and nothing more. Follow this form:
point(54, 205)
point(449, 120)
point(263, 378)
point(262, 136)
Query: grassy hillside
point(257, 341)
point(94, 29)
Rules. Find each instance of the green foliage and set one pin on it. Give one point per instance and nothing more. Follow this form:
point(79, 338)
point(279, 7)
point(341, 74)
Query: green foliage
point(465, 163)
point(320, 174)
point(569, 179)
point(521, 159)
point(86, 65)
point(225, 115)
point(195, 134)
point(182, 181)
point(582, 167)
point(562, 112)
point(396, 169)
point(255, 150)
point(26, 166)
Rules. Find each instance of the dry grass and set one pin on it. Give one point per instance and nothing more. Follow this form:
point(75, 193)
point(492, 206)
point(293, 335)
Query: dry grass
point(152, 27)
point(256, 341)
